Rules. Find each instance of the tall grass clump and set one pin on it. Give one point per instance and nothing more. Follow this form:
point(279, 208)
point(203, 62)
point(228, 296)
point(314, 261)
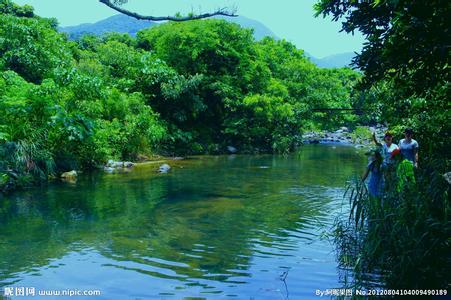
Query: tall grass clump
point(402, 238)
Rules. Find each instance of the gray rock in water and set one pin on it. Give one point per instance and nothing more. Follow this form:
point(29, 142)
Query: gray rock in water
point(119, 164)
point(114, 164)
point(232, 149)
point(164, 168)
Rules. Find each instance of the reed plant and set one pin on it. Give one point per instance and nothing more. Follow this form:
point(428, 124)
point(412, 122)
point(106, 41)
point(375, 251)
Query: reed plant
point(401, 239)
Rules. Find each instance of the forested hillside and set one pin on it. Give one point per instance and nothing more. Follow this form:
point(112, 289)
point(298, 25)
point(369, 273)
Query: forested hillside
point(179, 88)
point(118, 23)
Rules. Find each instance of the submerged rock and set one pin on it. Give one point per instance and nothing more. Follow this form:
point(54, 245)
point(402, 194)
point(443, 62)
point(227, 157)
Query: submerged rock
point(164, 168)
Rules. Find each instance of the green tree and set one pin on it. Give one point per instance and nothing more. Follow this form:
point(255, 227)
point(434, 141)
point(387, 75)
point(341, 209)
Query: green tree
point(220, 54)
point(8, 7)
point(264, 122)
point(31, 47)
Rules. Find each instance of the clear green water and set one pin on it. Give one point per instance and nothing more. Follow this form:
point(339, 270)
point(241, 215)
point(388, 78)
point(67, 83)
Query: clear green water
point(224, 227)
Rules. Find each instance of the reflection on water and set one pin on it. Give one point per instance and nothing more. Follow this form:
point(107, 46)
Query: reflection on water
point(214, 227)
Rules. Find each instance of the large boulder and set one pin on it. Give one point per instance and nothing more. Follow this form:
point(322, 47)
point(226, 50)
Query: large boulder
point(71, 175)
point(164, 168)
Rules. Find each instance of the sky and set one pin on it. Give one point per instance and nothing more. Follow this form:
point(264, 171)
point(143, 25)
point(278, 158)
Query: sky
point(292, 20)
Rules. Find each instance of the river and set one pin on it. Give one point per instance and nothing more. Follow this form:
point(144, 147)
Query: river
point(214, 227)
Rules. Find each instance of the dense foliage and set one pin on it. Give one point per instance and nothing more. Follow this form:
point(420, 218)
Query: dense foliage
point(404, 235)
point(405, 62)
point(192, 87)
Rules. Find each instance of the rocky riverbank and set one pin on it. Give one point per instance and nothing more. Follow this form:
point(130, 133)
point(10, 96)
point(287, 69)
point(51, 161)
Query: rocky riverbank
point(360, 136)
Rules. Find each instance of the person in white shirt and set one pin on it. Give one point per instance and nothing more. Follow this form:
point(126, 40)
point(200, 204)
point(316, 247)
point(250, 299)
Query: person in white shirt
point(387, 148)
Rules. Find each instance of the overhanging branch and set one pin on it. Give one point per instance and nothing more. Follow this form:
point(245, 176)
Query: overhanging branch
point(219, 12)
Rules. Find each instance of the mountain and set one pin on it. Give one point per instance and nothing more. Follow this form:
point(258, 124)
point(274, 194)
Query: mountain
point(125, 24)
point(118, 23)
point(260, 30)
point(334, 61)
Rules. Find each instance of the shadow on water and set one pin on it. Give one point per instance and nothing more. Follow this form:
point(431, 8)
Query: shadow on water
point(216, 225)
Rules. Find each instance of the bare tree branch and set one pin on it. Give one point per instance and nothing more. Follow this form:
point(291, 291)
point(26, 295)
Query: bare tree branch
point(219, 12)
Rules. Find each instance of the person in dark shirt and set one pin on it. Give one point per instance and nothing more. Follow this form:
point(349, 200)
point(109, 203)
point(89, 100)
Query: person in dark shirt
point(409, 147)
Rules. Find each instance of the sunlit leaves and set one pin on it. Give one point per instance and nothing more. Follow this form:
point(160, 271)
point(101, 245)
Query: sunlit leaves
point(31, 47)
